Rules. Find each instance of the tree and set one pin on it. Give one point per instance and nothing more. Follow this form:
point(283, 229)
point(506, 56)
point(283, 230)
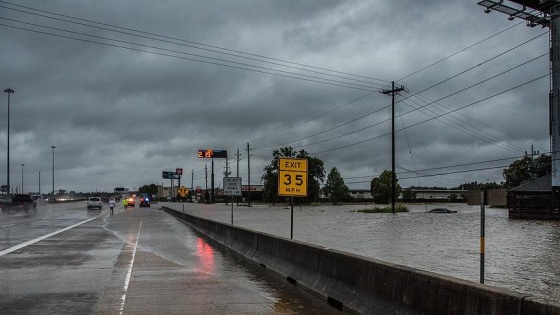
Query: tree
point(525, 169)
point(315, 174)
point(408, 194)
point(151, 189)
point(381, 187)
point(335, 189)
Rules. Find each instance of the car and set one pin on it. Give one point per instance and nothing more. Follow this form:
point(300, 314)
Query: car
point(442, 210)
point(19, 202)
point(94, 203)
point(129, 202)
point(145, 201)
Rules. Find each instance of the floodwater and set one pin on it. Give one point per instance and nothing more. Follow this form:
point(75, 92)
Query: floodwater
point(520, 255)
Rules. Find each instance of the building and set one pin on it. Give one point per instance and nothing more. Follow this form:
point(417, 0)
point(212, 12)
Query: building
point(533, 200)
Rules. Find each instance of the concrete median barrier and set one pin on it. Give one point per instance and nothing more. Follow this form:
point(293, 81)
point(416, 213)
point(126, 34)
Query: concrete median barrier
point(367, 286)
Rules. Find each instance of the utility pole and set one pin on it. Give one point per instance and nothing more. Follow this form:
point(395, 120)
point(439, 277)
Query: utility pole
point(392, 92)
point(237, 155)
point(192, 185)
point(237, 174)
point(9, 91)
point(544, 13)
point(206, 177)
point(248, 175)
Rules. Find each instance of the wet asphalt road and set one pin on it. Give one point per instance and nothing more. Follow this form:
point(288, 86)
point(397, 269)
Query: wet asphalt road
point(64, 259)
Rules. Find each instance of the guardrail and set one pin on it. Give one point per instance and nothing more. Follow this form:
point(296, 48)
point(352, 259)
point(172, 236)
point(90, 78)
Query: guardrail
point(360, 284)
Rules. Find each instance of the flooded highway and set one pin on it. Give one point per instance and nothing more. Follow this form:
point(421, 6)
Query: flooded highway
point(520, 255)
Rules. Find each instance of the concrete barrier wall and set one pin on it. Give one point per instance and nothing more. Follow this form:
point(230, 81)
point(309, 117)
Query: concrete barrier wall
point(365, 285)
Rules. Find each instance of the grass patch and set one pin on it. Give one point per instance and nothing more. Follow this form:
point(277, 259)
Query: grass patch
point(387, 209)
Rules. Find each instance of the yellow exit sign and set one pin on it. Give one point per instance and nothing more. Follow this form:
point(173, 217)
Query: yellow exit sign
point(292, 177)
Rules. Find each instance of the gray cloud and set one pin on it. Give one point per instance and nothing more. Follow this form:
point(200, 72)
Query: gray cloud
point(119, 117)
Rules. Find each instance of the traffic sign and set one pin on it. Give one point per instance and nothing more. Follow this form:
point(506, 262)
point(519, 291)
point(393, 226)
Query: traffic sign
point(183, 191)
point(232, 186)
point(292, 177)
point(179, 171)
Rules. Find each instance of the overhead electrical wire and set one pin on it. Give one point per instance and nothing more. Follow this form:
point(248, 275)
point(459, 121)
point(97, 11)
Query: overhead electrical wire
point(321, 80)
point(432, 118)
point(190, 44)
point(458, 52)
point(453, 166)
point(484, 62)
point(485, 126)
point(177, 39)
point(213, 61)
point(419, 108)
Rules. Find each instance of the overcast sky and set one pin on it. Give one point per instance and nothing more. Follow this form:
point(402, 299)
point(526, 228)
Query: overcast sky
point(121, 105)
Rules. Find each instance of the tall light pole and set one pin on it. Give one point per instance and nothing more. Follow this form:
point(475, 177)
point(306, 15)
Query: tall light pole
point(22, 165)
point(9, 91)
point(53, 147)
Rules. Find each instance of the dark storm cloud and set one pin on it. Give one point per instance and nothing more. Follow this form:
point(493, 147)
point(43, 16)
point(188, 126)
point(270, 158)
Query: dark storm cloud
point(119, 116)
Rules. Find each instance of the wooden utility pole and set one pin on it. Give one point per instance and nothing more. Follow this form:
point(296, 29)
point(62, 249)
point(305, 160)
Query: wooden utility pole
point(392, 92)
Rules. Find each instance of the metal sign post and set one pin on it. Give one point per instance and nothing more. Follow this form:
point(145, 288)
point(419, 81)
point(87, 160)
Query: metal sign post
point(183, 192)
point(232, 187)
point(292, 182)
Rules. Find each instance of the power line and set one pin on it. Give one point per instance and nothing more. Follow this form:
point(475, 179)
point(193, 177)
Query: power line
point(211, 48)
point(460, 51)
point(462, 107)
point(482, 63)
point(214, 61)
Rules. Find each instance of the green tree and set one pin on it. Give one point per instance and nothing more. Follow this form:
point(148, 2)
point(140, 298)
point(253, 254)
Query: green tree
point(525, 169)
point(408, 194)
point(151, 189)
point(335, 189)
point(381, 187)
point(315, 174)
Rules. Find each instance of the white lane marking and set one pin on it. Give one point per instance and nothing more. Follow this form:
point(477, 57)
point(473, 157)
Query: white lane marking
point(22, 245)
point(129, 273)
point(3, 226)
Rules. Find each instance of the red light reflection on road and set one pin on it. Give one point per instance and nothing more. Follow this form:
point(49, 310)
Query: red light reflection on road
point(206, 255)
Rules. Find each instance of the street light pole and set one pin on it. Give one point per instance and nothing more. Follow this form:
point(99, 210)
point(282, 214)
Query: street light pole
point(53, 147)
point(9, 91)
point(22, 165)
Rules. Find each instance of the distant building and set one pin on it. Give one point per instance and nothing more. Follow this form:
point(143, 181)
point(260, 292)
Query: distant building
point(360, 193)
point(438, 194)
point(423, 194)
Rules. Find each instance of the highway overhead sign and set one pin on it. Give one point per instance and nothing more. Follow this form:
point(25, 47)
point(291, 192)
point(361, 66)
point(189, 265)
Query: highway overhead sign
point(292, 177)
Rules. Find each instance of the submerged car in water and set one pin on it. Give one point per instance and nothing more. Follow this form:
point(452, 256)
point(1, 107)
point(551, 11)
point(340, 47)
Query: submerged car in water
point(442, 210)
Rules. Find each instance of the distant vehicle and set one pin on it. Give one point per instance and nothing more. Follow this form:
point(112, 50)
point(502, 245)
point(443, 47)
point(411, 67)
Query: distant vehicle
point(36, 197)
point(117, 198)
point(19, 202)
point(94, 203)
point(442, 210)
point(129, 202)
point(144, 201)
